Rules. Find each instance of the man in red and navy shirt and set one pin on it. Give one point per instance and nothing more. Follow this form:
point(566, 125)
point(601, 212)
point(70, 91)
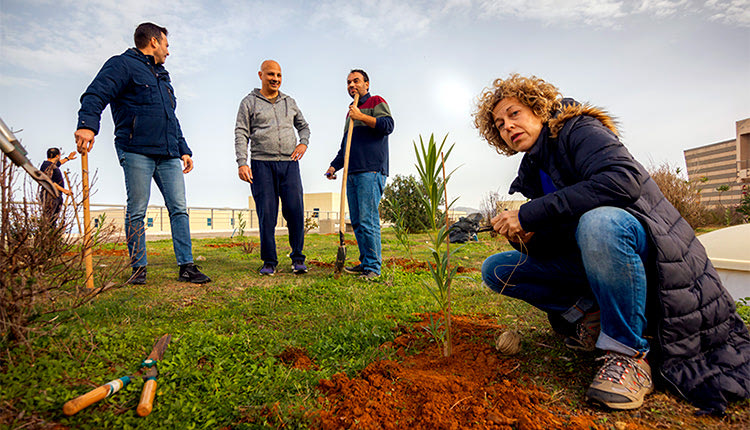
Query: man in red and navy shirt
point(368, 169)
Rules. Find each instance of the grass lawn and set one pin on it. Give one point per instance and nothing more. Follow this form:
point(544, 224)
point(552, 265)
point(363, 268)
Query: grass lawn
point(226, 366)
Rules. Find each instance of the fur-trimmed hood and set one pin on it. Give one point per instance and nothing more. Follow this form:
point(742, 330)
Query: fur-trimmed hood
point(572, 108)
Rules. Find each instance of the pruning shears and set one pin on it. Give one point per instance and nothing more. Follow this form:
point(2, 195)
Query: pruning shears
point(10, 145)
point(147, 370)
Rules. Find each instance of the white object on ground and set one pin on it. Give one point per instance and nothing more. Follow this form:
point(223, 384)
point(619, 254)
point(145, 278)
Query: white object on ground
point(729, 251)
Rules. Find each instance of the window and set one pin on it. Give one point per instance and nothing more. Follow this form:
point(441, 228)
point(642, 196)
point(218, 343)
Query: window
point(149, 222)
point(208, 222)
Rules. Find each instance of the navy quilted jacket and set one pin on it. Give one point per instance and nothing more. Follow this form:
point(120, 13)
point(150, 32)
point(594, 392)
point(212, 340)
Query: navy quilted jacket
point(699, 344)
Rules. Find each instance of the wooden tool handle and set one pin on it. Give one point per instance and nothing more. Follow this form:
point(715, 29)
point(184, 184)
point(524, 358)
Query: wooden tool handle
point(147, 398)
point(350, 129)
point(73, 406)
point(87, 253)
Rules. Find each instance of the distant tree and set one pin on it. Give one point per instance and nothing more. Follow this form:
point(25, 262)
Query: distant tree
point(492, 203)
point(402, 203)
point(744, 206)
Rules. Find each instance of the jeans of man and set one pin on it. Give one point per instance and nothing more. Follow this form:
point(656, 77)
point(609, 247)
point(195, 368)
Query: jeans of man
point(363, 191)
point(273, 180)
point(609, 271)
point(139, 169)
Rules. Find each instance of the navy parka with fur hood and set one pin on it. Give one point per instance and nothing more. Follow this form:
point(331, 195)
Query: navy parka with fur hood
point(699, 344)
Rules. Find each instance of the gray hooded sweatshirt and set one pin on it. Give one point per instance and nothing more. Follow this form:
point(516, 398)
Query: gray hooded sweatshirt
point(269, 128)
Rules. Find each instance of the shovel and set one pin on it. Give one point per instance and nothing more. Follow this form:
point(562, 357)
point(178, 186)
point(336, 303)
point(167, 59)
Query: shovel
point(341, 254)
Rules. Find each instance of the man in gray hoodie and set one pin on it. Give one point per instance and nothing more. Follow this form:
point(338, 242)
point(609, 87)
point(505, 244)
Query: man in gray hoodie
point(267, 119)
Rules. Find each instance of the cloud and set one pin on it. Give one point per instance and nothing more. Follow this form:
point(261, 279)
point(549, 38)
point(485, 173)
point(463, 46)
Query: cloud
point(731, 12)
point(605, 13)
point(42, 36)
point(565, 12)
point(13, 81)
point(380, 22)
point(662, 8)
point(54, 36)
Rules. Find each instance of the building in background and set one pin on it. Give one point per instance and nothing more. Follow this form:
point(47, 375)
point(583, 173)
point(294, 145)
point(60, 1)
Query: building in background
point(721, 168)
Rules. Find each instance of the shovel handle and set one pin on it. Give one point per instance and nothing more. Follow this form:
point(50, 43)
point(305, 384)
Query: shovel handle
point(350, 129)
point(147, 398)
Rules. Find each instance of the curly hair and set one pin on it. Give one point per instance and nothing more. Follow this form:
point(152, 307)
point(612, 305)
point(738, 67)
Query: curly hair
point(543, 98)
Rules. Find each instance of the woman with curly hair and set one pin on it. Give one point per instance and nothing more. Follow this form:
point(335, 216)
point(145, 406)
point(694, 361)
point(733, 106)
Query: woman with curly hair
point(606, 256)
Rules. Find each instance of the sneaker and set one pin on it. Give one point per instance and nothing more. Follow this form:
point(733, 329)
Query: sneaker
point(368, 275)
point(299, 267)
point(355, 270)
point(622, 382)
point(267, 269)
point(138, 277)
point(189, 273)
point(587, 332)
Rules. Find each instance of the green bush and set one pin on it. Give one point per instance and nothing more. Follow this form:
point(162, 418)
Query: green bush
point(744, 206)
point(402, 202)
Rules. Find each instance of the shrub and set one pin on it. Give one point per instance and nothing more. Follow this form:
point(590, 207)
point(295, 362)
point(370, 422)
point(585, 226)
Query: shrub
point(41, 263)
point(744, 207)
point(402, 203)
point(682, 193)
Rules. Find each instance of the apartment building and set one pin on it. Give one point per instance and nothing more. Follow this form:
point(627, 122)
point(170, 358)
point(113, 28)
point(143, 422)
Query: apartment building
point(721, 168)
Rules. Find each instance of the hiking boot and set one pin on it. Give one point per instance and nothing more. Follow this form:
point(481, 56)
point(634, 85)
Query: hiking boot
point(299, 267)
point(587, 332)
point(368, 275)
point(622, 382)
point(138, 277)
point(267, 269)
point(189, 273)
point(560, 325)
point(355, 270)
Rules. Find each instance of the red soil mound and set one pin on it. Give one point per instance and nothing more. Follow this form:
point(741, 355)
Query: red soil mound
point(296, 358)
point(475, 388)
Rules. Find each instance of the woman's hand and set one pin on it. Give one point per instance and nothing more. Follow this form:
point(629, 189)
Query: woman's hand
point(508, 224)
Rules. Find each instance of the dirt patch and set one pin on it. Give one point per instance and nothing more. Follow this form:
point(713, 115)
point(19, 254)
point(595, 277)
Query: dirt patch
point(406, 264)
point(108, 253)
point(413, 265)
point(296, 358)
point(475, 388)
point(317, 263)
point(224, 245)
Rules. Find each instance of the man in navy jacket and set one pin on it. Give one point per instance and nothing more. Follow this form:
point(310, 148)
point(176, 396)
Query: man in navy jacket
point(148, 141)
point(368, 169)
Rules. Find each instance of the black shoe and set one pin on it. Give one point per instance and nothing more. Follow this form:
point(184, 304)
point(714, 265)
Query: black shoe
point(267, 269)
point(138, 277)
point(299, 267)
point(355, 270)
point(368, 275)
point(190, 273)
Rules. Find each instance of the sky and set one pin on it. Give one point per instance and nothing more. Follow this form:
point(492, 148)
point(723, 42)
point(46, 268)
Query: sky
point(675, 73)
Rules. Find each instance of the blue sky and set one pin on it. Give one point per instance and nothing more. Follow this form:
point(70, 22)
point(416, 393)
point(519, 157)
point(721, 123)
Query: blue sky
point(674, 72)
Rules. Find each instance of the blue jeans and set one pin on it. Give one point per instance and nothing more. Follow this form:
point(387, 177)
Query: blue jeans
point(363, 191)
point(167, 173)
point(273, 180)
point(608, 272)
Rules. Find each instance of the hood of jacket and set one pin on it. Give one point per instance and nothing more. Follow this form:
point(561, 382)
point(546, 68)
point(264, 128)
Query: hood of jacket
point(572, 108)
